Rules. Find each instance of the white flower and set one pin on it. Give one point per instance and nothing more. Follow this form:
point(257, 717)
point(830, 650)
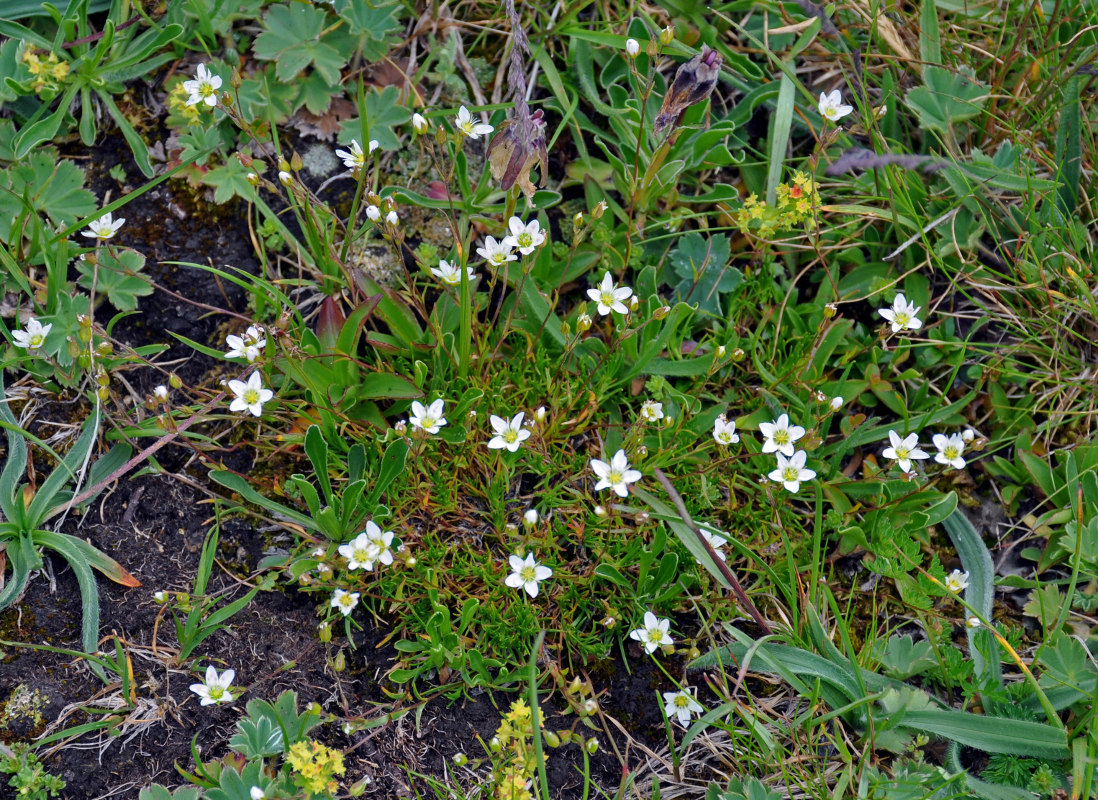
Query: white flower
point(344, 601)
point(466, 127)
point(419, 123)
point(509, 435)
point(715, 541)
point(381, 540)
point(973, 622)
point(724, 431)
point(524, 237)
point(256, 793)
point(285, 177)
point(616, 475)
point(654, 633)
point(530, 517)
point(451, 274)
point(836, 403)
point(905, 450)
point(203, 89)
point(831, 106)
point(949, 450)
point(967, 435)
point(161, 393)
point(791, 471)
point(216, 688)
point(373, 213)
point(527, 574)
point(392, 218)
point(901, 315)
point(651, 411)
point(681, 705)
point(160, 597)
point(632, 47)
point(780, 436)
point(956, 581)
point(248, 346)
point(250, 396)
point(427, 418)
point(355, 158)
point(34, 336)
point(496, 253)
point(609, 297)
point(361, 552)
point(103, 228)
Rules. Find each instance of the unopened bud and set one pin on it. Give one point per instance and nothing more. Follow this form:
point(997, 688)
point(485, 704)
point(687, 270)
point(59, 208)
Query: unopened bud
point(667, 35)
point(632, 47)
point(600, 511)
point(530, 518)
point(598, 210)
point(175, 381)
point(720, 351)
point(634, 303)
point(103, 393)
point(324, 632)
point(373, 213)
point(283, 165)
point(339, 663)
point(161, 394)
point(577, 220)
point(252, 178)
point(738, 354)
point(592, 745)
point(661, 312)
point(830, 310)
point(539, 415)
point(968, 435)
point(420, 124)
point(551, 738)
point(836, 403)
point(460, 759)
point(295, 162)
point(590, 706)
point(583, 323)
point(226, 99)
point(285, 177)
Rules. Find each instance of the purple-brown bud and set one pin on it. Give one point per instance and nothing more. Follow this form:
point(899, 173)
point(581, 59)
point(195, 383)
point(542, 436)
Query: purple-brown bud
point(694, 82)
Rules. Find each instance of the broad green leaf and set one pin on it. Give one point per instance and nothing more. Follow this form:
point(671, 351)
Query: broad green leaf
point(118, 277)
point(292, 39)
point(947, 98)
point(703, 270)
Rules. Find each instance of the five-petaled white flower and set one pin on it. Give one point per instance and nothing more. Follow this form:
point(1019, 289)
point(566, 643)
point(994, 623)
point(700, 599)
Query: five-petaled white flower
point(780, 436)
point(902, 315)
point(724, 431)
point(509, 435)
point(451, 274)
point(681, 705)
point(103, 228)
point(905, 450)
point(616, 475)
point(203, 89)
point(791, 471)
point(34, 336)
point(428, 418)
point(355, 158)
point(466, 127)
point(248, 346)
point(361, 552)
point(715, 541)
point(496, 253)
point(949, 450)
point(609, 297)
point(527, 574)
point(651, 411)
point(250, 396)
point(653, 634)
point(345, 601)
point(215, 690)
point(956, 581)
point(524, 237)
point(831, 106)
point(382, 540)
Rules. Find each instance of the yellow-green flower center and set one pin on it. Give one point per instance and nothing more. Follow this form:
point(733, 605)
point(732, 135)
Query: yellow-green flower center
point(790, 475)
point(251, 396)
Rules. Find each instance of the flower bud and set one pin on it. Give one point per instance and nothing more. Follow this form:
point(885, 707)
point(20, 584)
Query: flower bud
point(160, 597)
point(565, 736)
point(161, 393)
point(103, 393)
point(175, 381)
point(539, 415)
point(226, 99)
point(295, 162)
point(667, 35)
point(324, 632)
point(600, 511)
point(738, 354)
point(285, 177)
point(530, 518)
point(830, 310)
point(592, 745)
point(634, 303)
point(968, 435)
point(339, 663)
point(373, 213)
point(661, 312)
point(252, 178)
point(583, 323)
point(590, 706)
point(460, 759)
point(283, 165)
point(420, 124)
point(392, 218)
point(598, 210)
point(577, 220)
point(836, 403)
point(565, 330)
point(632, 47)
point(551, 738)
point(720, 351)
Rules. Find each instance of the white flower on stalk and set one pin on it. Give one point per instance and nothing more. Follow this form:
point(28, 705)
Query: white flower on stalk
point(419, 123)
point(715, 541)
point(496, 253)
point(681, 705)
point(902, 315)
point(427, 418)
point(451, 274)
point(956, 581)
point(530, 517)
point(203, 89)
point(382, 540)
point(255, 793)
point(33, 337)
point(524, 237)
point(160, 393)
point(651, 411)
point(248, 346)
point(973, 622)
point(345, 601)
point(832, 107)
point(355, 158)
point(616, 475)
point(632, 48)
point(609, 297)
point(724, 431)
point(361, 552)
point(285, 177)
point(527, 574)
point(215, 689)
point(466, 127)
point(780, 436)
point(791, 471)
point(905, 450)
point(836, 403)
point(949, 450)
point(250, 396)
point(373, 213)
point(653, 635)
point(392, 218)
point(103, 228)
point(509, 435)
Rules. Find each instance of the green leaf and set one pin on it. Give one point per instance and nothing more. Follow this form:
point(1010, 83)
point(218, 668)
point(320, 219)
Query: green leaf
point(902, 657)
point(230, 179)
point(947, 98)
point(52, 185)
point(991, 734)
point(702, 266)
point(375, 25)
point(117, 276)
point(384, 115)
point(292, 39)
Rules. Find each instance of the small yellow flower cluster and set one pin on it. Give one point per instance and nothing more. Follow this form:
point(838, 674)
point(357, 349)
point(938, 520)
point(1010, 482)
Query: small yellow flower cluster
point(49, 72)
point(315, 766)
point(797, 203)
point(177, 104)
point(514, 734)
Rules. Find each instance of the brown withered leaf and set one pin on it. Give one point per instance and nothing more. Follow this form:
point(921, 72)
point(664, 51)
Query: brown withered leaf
point(694, 81)
point(324, 126)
